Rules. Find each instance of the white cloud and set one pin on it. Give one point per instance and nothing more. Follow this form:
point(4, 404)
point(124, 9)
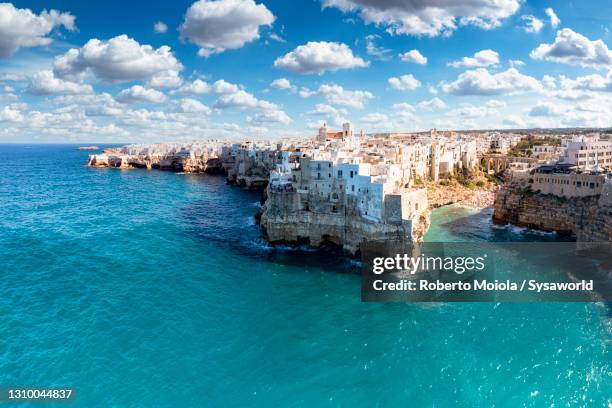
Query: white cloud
point(404, 83)
point(374, 50)
point(45, 83)
point(549, 82)
point(405, 111)
point(554, 20)
point(482, 82)
point(337, 95)
point(189, 105)
point(92, 104)
point(166, 79)
point(532, 24)
point(375, 118)
point(265, 112)
point(281, 83)
point(413, 56)
point(199, 87)
point(514, 122)
point(418, 17)
point(160, 27)
point(593, 82)
point(494, 104)
point(432, 104)
point(241, 99)
point(277, 38)
point(546, 109)
point(471, 111)
point(269, 117)
point(322, 109)
point(21, 28)
point(11, 76)
point(138, 93)
point(573, 48)
point(116, 60)
point(11, 114)
point(216, 26)
point(317, 57)
point(516, 63)
point(482, 58)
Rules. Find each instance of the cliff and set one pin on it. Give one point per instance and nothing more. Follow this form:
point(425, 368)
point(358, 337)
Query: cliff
point(285, 219)
point(177, 163)
point(588, 218)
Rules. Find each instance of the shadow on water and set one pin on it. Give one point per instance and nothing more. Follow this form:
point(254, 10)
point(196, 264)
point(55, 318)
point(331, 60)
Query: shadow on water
point(226, 215)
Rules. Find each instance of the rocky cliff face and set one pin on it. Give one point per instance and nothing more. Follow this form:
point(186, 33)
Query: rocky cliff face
point(589, 218)
point(172, 163)
point(284, 220)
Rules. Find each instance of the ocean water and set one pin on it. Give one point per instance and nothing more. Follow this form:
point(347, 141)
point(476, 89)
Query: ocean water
point(153, 289)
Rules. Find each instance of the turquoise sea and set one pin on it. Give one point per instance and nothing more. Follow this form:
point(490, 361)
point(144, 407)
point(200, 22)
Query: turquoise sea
point(153, 289)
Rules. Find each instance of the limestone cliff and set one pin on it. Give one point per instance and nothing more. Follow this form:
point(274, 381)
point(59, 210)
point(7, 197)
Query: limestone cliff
point(588, 218)
point(285, 220)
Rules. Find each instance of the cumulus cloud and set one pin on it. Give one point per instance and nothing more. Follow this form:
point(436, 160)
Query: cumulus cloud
point(45, 83)
point(417, 17)
point(102, 104)
point(532, 24)
point(516, 63)
point(482, 58)
point(554, 20)
point(374, 118)
point(413, 56)
point(21, 28)
point(593, 82)
point(481, 82)
point(317, 57)
point(546, 109)
point(432, 104)
point(281, 83)
point(404, 83)
point(269, 117)
point(574, 48)
point(139, 93)
point(337, 95)
point(11, 114)
point(321, 109)
point(199, 87)
point(117, 60)
point(216, 26)
point(160, 27)
point(265, 112)
point(190, 105)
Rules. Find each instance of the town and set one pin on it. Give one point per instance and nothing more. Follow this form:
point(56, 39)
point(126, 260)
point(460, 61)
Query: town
point(344, 187)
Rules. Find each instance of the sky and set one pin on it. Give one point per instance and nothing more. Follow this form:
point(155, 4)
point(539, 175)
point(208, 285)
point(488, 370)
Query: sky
point(117, 71)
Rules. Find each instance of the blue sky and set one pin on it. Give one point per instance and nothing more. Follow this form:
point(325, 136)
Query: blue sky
point(99, 71)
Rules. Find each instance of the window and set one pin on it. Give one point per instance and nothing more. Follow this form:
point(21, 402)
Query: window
point(351, 173)
point(352, 188)
point(339, 173)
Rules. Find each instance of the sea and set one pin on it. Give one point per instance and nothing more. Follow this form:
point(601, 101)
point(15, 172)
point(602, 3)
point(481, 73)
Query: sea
point(145, 288)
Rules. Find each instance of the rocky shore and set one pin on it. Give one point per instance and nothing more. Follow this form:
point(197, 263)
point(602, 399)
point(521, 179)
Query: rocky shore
point(588, 218)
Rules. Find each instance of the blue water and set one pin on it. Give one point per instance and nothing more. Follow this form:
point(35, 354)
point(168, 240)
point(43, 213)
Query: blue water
point(153, 289)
